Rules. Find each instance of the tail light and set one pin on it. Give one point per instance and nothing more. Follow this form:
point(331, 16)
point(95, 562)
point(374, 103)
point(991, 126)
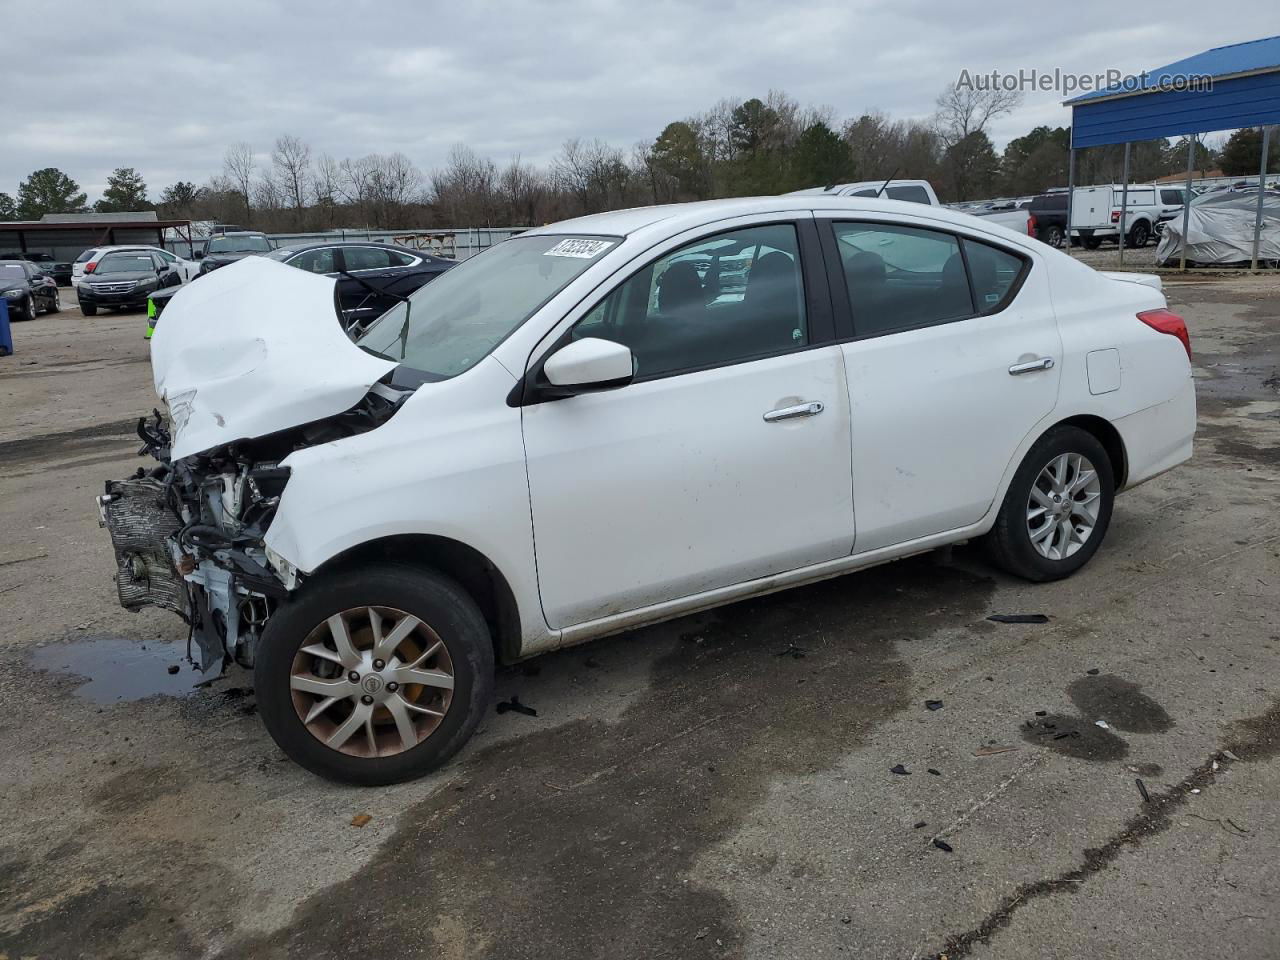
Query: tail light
point(90, 266)
point(1170, 323)
point(1031, 224)
point(1115, 216)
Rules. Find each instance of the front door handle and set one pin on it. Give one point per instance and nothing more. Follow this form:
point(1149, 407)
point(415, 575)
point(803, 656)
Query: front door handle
point(811, 409)
point(1031, 366)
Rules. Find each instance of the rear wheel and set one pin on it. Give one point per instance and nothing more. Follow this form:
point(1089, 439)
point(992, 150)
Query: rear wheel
point(55, 304)
point(1053, 235)
point(1057, 508)
point(1139, 234)
point(1091, 243)
point(376, 676)
point(89, 309)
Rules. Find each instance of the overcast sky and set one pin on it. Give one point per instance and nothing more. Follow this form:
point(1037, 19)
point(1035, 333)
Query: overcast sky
point(166, 86)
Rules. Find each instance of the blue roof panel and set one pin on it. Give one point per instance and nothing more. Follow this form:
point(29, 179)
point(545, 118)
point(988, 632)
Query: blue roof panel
point(1248, 57)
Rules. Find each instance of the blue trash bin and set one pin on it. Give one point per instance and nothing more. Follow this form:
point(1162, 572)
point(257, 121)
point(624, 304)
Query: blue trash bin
point(6, 335)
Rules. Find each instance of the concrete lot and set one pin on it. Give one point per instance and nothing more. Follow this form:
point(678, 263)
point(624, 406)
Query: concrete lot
point(715, 787)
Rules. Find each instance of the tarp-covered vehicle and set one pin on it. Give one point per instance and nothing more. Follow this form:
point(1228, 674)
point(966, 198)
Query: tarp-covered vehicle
point(1220, 227)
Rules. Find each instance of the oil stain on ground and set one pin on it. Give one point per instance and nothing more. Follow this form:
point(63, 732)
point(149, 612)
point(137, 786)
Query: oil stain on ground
point(1117, 702)
point(118, 668)
point(577, 842)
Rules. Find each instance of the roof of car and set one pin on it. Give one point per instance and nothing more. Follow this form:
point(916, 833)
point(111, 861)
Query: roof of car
point(676, 217)
point(318, 244)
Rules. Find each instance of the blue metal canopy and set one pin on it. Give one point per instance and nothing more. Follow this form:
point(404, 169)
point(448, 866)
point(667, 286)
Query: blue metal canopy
point(1243, 91)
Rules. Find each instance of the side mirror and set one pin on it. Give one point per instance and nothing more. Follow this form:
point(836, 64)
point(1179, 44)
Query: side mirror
point(588, 365)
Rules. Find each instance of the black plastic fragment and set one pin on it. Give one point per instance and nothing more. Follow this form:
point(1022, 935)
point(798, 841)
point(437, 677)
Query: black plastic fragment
point(1093, 672)
point(1018, 618)
point(1142, 789)
point(900, 770)
point(515, 706)
point(933, 704)
point(936, 773)
point(942, 845)
point(919, 825)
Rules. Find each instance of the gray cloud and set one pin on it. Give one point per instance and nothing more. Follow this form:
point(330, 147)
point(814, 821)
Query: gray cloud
point(165, 86)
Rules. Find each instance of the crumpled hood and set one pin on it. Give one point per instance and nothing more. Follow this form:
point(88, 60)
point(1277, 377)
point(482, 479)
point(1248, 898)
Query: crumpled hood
point(254, 348)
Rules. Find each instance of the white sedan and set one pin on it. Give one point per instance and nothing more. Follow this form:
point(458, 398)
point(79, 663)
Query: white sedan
point(617, 420)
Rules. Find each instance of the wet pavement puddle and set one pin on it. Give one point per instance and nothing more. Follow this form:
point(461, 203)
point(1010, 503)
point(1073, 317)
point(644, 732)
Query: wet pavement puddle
point(118, 669)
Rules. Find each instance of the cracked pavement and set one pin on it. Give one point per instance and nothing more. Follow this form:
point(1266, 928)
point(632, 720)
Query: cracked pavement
point(718, 786)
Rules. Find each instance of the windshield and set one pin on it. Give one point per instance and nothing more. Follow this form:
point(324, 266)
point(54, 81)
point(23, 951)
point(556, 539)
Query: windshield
point(125, 263)
point(239, 245)
point(12, 271)
point(464, 313)
point(281, 255)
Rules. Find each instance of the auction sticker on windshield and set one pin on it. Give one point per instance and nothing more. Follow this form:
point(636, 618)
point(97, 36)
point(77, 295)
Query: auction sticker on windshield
point(579, 249)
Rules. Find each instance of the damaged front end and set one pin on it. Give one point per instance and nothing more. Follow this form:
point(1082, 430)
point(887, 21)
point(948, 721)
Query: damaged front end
point(189, 534)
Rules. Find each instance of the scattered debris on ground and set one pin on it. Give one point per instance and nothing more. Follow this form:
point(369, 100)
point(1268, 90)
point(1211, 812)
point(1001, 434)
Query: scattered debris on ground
point(1018, 618)
point(515, 706)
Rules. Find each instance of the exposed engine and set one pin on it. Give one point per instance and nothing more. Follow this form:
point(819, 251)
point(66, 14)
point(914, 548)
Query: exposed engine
point(189, 535)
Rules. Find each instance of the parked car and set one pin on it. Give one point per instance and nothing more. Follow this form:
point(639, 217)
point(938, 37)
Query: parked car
point(1095, 214)
point(1049, 218)
point(577, 432)
point(27, 290)
point(915, 191)
point(124, 279)
point(1221, 226)
point(87, 262)
point(224, 248)
point(45, 262)
point(392, 272)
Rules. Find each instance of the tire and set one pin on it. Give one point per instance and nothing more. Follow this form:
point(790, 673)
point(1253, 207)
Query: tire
point(55, 305)
point(1053, 236)
point(89, 309)
point(1091, 243)
point(447, 616)
point(29, 308)
point(1139, 234)
point(1010, 545)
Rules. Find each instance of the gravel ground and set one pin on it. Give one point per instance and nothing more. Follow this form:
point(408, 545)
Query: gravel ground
point(684, 790)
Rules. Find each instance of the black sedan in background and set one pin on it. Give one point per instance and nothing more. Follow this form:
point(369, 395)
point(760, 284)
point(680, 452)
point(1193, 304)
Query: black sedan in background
point(44, 262)
point(124, 279)
point(26, 290)
point(224, 248)
point(371, 276)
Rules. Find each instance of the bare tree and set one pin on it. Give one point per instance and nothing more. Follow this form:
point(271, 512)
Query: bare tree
point(291, 161)
point(523, 193)
point(326, 188)
point(965, 109)
point(595, 173)
point(238, 167)
point(392, 184)
point(464, 191)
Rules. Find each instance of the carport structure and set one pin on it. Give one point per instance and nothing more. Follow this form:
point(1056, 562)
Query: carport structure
point(64, 235)
point(1225, 88)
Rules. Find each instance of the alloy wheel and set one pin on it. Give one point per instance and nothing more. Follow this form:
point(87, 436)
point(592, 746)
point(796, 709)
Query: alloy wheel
point(372, 682)
point(1062, 510)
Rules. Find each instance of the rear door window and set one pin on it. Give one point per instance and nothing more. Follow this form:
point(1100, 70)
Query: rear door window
point(366, 258)
point(900, 278)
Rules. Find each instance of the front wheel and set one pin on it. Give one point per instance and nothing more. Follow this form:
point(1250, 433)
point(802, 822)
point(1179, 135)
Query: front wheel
point(375, 676)
point(1139, 234)
point(89, 309)
point(1057, 508)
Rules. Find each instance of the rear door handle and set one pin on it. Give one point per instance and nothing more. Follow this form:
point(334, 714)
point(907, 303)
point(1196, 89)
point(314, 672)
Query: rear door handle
point(811, 409)
point(1031, 366)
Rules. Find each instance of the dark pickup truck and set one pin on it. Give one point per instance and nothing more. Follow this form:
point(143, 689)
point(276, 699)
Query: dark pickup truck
point(224, 248)
point(1049, 218)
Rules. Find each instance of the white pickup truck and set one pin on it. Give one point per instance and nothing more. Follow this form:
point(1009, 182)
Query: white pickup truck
point(1095, 214)
point(916, 191)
